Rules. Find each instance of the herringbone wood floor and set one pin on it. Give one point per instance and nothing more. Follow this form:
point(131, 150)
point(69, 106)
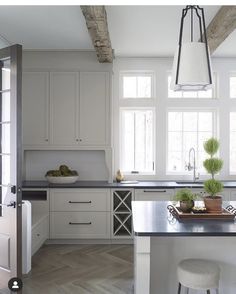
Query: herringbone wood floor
point(81, 269)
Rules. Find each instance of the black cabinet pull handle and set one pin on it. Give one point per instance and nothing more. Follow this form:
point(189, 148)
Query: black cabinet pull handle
point(154, 191)
point(89, 223)
point(81, 202)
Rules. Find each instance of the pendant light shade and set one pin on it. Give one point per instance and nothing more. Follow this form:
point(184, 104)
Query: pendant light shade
point(192, 66)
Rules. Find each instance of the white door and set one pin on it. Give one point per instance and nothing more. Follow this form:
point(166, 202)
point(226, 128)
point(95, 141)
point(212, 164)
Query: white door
point(10, 164)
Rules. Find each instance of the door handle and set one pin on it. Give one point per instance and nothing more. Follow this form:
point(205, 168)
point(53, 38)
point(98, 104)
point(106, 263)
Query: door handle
point(81, 202)
point(154, 191)
point(71, 223)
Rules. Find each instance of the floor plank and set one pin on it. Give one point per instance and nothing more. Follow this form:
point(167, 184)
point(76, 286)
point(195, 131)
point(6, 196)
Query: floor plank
point(81, 269)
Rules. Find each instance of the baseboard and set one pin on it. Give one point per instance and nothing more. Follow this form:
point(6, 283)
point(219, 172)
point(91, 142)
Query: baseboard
point(88, 241)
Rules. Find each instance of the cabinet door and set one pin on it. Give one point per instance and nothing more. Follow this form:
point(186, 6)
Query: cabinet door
point(94, 108)
point(154, 194)
point(35, 107)
point(63, 108)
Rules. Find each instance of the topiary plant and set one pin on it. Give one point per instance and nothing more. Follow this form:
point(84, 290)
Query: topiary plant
point(212, 165)
point(184, 195)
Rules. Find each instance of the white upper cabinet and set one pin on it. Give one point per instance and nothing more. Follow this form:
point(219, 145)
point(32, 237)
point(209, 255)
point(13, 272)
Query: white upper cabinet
point(94, 108)
point(35, 104)
point(63, 107)
point(66, 109)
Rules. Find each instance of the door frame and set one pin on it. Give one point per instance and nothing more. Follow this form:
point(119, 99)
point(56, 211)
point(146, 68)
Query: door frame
point(15, 54)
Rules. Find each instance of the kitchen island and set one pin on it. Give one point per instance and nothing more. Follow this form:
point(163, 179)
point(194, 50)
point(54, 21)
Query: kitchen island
point(161, 242)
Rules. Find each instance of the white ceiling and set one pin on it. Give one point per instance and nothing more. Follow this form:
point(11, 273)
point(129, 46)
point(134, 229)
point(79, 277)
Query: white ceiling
point(143, 31)
point(45, 27)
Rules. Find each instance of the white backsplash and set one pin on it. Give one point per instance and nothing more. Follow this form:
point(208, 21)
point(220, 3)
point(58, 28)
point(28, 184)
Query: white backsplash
point(91, 165)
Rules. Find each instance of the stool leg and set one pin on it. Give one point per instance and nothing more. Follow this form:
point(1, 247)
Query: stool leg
point(187, 291)
point(208, 292)
point(217, 291)
point(179, 289)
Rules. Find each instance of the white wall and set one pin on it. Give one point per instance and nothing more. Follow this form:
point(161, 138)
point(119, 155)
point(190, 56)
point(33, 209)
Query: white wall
point(91, 165)
point(161, 67)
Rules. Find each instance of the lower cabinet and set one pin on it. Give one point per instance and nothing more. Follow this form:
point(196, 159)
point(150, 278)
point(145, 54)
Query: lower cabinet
point(154, 194)
point(80, 213)
point(40, 233)
point(84, 225)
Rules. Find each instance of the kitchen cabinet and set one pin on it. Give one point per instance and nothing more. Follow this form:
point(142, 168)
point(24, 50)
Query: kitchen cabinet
point(154, 194)
point(35, 108)
point(66, 110)
point(94, 108)
point(80, 214)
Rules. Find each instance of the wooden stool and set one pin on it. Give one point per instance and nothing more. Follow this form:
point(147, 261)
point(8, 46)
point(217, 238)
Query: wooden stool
point(198, 274)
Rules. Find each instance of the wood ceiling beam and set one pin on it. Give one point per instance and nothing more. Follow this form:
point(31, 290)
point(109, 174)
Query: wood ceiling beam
point(221, 26)
point(96, 20)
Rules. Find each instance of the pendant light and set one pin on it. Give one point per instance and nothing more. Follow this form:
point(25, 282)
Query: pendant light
point(192, 66)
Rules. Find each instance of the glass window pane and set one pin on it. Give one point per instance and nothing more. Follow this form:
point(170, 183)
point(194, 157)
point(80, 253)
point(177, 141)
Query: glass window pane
point(5, 107)
point(232, 87)
point(174, 161)
point(5, 169)
point(233, 142)
point(175, 141)
point(137, 140)
point(205, 121)
point(144, 87)
point(5, 143)
point(5, 78)
point(129, 87)
point(171, 93)
point(197, 127)
point(205, 94)
point(190, 120)
point(175, 121)
point(190, 94)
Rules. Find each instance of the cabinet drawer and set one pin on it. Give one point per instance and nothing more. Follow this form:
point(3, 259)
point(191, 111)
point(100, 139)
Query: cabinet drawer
point(154, 194)
point(80, 200)
point(40, 233)
point(80, 225)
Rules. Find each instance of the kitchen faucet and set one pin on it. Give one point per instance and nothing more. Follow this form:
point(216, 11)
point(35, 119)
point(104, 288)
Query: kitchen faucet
point(192, 167)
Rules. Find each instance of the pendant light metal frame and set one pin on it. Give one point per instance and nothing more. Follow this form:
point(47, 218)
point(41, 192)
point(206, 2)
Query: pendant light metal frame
point(203, 36)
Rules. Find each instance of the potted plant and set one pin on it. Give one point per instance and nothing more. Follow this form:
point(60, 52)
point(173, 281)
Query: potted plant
point(213, 201)
point(186, 199)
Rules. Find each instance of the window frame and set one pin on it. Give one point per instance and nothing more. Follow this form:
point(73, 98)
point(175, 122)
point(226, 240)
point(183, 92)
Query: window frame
point(215, 132)
point(231, 173)
point(136, 73)
point(150, 108)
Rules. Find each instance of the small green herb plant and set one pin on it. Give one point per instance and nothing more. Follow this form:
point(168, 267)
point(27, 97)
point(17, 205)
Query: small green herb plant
point(185, 195)
point(212, 165)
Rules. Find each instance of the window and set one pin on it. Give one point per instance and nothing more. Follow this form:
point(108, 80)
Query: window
point(232, 143)
point(232, 86)
point(136, 138)
point(136, 85)
point(188, 94)
point(187, 129)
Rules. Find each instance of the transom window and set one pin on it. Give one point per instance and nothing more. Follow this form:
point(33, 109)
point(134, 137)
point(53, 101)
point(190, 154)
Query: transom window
point(187, 129)
point(136, 85)
point(136, 140)
point(232, 143)
point(188, 94)
point(232, 86)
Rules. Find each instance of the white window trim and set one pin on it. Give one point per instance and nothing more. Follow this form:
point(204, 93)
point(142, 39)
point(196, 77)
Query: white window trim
point(193, 109)
point(135, 73)
point(233, 75)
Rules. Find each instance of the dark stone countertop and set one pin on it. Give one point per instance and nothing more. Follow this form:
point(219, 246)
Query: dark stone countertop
point(138, 185)
point(150, 218)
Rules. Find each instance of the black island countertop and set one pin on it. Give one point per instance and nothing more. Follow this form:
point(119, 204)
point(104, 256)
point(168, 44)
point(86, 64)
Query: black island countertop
point(127, 184)
point(151, 218)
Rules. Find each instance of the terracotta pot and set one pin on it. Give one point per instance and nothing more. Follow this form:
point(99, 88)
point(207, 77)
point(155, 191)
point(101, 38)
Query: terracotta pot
point(186, 206)
point(213, 204)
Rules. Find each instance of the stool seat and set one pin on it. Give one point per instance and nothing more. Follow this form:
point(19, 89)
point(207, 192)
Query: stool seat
point(199, 274)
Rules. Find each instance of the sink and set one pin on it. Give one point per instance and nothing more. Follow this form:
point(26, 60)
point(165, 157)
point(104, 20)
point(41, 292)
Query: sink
point(187, 183)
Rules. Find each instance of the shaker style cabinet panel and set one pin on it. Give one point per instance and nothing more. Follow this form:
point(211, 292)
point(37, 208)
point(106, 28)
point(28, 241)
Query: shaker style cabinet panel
point(35, 105)
point(94, 108)
point(63, 107)
point(154, 194)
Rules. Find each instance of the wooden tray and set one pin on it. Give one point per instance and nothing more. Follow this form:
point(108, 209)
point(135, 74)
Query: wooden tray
point(225, 215)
